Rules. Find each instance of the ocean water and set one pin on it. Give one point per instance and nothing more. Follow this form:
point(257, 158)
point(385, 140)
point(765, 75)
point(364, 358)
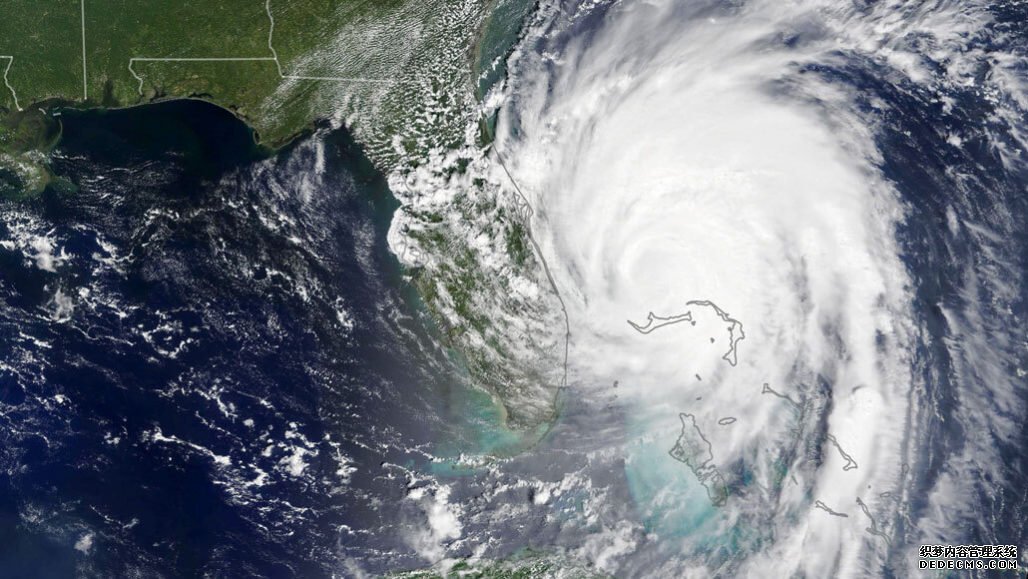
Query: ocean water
point(847, 180)
point(211, 363)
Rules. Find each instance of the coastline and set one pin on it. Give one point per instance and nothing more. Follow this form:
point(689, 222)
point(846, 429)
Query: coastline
point(24, 155)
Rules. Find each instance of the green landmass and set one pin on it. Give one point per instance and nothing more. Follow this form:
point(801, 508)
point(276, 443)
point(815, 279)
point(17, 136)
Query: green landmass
point(280, 65)
point(405, 76)
point(121, 52)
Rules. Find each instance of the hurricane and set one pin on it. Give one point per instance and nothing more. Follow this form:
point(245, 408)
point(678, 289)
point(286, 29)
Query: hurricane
point(789, 239)
point(556, 289)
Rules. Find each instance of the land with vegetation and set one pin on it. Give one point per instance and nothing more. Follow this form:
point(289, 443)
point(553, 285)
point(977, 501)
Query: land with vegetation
point(406, 77)
point(279, 65)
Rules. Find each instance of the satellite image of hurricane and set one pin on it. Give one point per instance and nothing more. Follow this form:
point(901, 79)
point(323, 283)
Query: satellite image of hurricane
point(514, 289)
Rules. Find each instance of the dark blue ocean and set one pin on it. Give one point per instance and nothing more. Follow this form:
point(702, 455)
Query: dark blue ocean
point(212, 366)
point(209, 360)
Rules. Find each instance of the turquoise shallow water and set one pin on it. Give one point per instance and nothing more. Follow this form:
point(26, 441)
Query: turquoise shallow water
point(240, 365)
point(669, 499)
point(480, 434)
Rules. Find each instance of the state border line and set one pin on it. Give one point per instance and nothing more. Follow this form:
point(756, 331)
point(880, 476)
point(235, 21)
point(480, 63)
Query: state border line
point(7, 69)
point(281, 73)
point(273, 58)
point(85, 77)
point(188, 59)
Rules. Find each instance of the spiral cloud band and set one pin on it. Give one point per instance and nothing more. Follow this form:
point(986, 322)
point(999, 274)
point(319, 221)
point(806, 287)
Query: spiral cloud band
point(712, 206)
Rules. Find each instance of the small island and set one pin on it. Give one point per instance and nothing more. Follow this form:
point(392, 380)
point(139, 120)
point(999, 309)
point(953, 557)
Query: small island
point(693, 449)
